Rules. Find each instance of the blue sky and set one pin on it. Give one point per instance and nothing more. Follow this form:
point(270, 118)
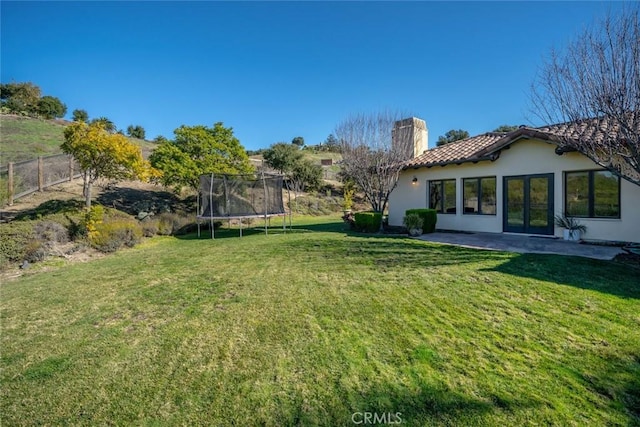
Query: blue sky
point(276, 70)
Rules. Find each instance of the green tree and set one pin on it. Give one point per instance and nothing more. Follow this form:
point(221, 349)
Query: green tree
point(452, 136)
point(305, 175)
point(136, 131)
point(50, 107)
point(107, 124)
point(282, 157)
point(331, 144)
point(299, 141)
point(506, 128)
point(198, 150)
point(20, 97)
point(160, 139)
point(80, 116)
point(103, 155)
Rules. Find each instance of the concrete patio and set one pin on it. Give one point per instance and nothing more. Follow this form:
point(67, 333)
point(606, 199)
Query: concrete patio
point(523, 244)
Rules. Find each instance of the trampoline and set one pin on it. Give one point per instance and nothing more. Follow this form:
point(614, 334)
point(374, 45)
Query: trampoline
point(240, 197)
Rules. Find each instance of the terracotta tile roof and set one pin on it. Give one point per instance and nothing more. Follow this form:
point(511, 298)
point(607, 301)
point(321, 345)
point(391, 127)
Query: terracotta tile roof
point(593, 130)
point(466, 150)
point(488, 145)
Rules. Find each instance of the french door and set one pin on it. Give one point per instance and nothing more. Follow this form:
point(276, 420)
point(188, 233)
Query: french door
point(528, 204)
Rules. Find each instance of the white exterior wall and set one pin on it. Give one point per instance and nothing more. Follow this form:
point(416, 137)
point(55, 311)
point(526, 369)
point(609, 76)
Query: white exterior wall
point(525, 157)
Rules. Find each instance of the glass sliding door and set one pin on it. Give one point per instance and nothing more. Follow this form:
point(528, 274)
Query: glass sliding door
point(528, 204)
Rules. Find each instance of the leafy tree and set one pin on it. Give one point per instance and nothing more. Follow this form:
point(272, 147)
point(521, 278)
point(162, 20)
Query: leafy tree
point(20, 97)
point(452, 136)
point(593, 85)
point(107, 124)
point(299, 141)
point(373, 154)
point(305, 175)
point(198, 150)
point(258, 152)
point(160, 139)
point(51, 107)
point(136, 131)
point(506, 128)
point(331, 144)
point(103, 155)
point(282, 156)
point(80, 116)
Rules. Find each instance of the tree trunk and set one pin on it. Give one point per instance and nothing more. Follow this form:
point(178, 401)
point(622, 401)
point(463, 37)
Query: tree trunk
point(86, 190)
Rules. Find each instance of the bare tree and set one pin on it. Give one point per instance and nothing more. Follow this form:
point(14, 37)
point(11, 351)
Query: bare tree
point(592, 87)
point(374, 150)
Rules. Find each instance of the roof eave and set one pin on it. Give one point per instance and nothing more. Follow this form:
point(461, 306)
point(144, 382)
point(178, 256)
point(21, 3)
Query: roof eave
point(493, 157)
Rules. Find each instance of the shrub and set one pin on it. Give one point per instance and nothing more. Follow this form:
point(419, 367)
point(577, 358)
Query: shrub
point(112, 234)
point(14, 241)
point(172, 223)
point(313, 204)
point(51, 231)
point(150, 226)
point(429, 218)
point(36, 251)
point(368, 222)
point(92, 218)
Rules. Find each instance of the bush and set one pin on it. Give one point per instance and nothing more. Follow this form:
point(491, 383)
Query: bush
point(314, 204)
point(112, 234)
point(51, 231)
point(14, 241)
point(150, 226)
point(170, 224)
point(429, 218)
point(36, 251)
point(368, 222)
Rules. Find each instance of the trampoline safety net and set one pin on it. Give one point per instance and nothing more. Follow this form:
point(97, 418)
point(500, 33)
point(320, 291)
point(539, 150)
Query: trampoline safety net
point(240, 196)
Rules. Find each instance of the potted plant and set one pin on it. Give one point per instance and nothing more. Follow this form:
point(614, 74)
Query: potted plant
point(572, 228)
point(413, 222)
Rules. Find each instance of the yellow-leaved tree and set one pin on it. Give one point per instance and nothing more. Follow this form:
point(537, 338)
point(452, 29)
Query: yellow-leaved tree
point(103, 155)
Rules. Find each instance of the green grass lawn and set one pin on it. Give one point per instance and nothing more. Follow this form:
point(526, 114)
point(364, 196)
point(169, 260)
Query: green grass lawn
point(312, 326)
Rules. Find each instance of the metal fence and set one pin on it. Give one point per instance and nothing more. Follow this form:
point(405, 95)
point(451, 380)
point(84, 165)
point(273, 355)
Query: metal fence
point(21, 178)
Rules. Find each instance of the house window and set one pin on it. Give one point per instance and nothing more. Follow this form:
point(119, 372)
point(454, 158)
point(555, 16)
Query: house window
point(592, 194)
point(442, 196)
point(479, 195)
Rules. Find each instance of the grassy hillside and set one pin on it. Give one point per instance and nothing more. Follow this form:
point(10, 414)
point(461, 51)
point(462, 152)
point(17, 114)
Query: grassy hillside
point(25, 138)
point(317, 327)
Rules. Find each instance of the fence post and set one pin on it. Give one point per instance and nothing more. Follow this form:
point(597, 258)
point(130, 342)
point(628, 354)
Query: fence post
point(70, 167)
point(40, 174)
point(10, 183)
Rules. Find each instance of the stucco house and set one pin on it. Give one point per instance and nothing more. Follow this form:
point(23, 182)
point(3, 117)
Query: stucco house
point(515, 182)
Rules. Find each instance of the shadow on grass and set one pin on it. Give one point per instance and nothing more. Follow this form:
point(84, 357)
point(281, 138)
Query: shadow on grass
point(432, 405)
point(50, 207)
point(619, 384)
point(602, 276)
